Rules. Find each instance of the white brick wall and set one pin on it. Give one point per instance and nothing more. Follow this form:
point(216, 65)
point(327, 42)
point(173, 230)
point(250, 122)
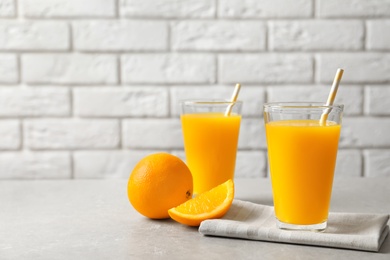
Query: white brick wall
point(88, 87)
point(7, 8)
point(121, 35)
point(353, 8)
point(168, 68)
point(67, 8)
point(368, 132)
point(168, 9)
point(156, 133)
point(377, 38)
point(34, 35)
point(349, 163)
point(377, 162)
point(377, 100)
point(30, 102)
point(9, 72)
point(369, 67)
point(350, 96)
point(265, 8)
point(35, 165)
point(10, 129)
point(265, 68)
point(71, 134)
point(121, 102)
point(69, 68)
point(316, 35)
point(218, 35)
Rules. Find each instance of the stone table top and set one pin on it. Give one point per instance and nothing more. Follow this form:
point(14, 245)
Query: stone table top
point(92, 219)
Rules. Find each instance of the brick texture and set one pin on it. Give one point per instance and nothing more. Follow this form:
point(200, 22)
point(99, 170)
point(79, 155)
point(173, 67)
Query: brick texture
point(7, 8)
point(121, 35)
point(157, 133)
point(42, 35)
point(89, 87)
point(359, 67)
point(265, 68)
point(40, 101)
point(350, 96)
point(67, 8)
point(225, 35)
point(252, 134)
point(9, 72)
point(353, 8)
point(35, 165)
point(168, 68)
point(365, 132)
point(316, 35)
point(265, 8)
point(250, 164)
point(71, 134)
point(377, 100)
point(377, 38)
point(69, 69)
point(121, 102)
point(377, 163)
point(168, 8)
point(349, 163)
point(11, 135)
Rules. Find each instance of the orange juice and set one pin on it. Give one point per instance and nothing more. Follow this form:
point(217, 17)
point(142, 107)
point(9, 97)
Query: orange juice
point(210, 142)
point(302, 156)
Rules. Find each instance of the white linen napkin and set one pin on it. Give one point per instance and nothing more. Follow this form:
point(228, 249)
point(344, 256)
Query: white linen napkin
point(257, 222)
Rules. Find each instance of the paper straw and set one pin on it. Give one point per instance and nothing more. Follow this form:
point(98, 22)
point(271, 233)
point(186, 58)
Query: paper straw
point(332, 95)
point(233, 99)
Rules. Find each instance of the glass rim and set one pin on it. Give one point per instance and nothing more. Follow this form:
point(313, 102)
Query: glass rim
point(301, 105)
point(209, 102)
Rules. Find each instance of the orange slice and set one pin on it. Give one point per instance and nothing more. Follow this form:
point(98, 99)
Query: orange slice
point(210, 204)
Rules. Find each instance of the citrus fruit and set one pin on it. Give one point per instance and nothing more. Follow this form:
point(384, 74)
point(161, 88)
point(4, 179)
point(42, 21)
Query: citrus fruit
point(210, 204)
point(157, 183)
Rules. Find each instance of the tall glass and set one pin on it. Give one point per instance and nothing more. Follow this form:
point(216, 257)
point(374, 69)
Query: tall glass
point(302, 157)
point(210, 140)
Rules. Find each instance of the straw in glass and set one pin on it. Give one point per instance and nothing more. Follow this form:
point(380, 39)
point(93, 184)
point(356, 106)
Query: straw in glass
point(233, 99)
point(332, 95)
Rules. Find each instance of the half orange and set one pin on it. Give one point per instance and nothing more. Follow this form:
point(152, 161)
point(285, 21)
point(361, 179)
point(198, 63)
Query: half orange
point(210, 204)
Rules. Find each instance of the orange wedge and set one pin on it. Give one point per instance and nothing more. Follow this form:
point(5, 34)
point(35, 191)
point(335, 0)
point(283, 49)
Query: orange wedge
point(210, 204)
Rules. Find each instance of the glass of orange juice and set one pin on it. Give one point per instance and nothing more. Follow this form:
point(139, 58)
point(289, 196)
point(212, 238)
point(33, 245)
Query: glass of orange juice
point(302, 157)
point(210, 135)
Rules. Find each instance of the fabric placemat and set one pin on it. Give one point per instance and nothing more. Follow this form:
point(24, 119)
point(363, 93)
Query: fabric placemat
point(252, 221)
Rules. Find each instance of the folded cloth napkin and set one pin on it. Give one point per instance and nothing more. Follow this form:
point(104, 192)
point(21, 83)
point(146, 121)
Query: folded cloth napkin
point(257, 222)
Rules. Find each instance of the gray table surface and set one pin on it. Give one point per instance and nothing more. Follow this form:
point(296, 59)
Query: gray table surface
point(92, 219)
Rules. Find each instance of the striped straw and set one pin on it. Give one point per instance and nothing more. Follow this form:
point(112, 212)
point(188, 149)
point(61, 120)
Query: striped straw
point(233, 99)
point(332, 95)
